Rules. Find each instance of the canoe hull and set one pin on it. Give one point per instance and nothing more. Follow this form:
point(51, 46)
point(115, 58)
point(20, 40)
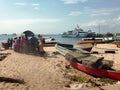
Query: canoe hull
point(85, 46)
point(96, 72)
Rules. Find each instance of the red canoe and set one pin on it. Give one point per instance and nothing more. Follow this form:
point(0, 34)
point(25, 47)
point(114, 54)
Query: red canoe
point(96, 72)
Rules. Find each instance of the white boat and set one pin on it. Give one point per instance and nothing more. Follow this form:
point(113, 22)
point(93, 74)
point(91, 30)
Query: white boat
point(78, 32)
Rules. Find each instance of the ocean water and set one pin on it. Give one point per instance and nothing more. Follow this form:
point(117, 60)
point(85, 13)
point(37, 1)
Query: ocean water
point(58, 38)
point(4, 38)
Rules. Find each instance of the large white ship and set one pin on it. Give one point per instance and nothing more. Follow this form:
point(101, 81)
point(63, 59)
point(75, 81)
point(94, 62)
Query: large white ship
point(78, 32)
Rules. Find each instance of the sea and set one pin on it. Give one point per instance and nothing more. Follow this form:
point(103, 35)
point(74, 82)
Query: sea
point(57, 37)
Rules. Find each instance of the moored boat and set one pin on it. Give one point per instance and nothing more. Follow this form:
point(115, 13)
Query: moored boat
point(89, 64)
point(95, 40)
point(66, 48)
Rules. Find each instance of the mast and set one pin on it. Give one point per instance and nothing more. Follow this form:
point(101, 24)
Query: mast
point(99, 28)
point(77, 26)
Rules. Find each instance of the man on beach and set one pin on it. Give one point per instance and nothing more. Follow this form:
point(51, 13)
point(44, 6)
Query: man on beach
point(41, 44)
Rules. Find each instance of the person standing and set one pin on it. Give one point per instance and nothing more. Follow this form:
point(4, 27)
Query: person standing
point(41, 44)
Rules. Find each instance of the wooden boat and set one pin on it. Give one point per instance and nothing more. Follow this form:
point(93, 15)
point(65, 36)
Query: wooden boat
point(3, 55)
point(66, 48)
point(5, 45)
point(96, 72)
point(84, 46)
point(103, 68)
point(49, 44)
point(95, 40)
point(117, 43)
point(88, 43)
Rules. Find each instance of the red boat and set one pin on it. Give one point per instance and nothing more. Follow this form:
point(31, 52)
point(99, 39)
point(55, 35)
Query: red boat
point(96, 72)
point(76, 60)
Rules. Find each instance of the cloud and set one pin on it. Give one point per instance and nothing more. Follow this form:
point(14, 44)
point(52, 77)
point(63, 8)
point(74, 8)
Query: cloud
point(35, 6)
point(95, 12)
point(21, 4)
point(73, 1)
point(30, 21)
point(39, 25)
point(111, 25)
point(75, 13)
point(102, 11)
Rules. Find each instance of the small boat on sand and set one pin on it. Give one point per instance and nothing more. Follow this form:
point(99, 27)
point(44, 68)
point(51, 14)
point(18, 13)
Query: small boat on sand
point(3, 55)
point(117, 43)
point(88, 43)
point(96, 72)
point(95, 40)
point(5, 45)
point(84, 46)
point(49, 44)
point(84, 61)
point(66, 48)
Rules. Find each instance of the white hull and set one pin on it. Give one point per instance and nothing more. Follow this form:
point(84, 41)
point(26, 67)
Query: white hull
point(81, 35)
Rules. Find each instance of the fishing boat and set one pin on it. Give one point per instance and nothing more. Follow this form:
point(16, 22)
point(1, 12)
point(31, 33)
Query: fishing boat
point(96, 72)
point(66, 48)
point(5, 45)
point(3, 55)
point(89, 64)
point(117, 43)
point(95, 40)
point(49, 42)
point(87, 46)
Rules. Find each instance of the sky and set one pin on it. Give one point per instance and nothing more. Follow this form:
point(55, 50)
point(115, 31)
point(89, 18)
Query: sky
point(58, 16)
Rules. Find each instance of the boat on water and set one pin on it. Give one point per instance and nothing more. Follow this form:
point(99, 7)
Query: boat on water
point(88, 63)
point(78, 32)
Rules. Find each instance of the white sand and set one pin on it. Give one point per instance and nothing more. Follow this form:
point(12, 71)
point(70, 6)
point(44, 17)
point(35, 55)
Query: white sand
point(44, 73)
point(39, 73)
point(101, 48)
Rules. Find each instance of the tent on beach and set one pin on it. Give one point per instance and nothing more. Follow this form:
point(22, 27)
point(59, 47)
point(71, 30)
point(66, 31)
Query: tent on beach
point(28, 33)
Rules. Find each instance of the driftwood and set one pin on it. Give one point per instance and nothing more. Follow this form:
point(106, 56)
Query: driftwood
point(11, 80)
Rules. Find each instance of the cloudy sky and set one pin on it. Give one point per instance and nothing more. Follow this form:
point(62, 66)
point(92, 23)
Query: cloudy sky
point(57, 16)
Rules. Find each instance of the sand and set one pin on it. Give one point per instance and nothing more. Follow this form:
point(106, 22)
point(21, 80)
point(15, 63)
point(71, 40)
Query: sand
point(101, 48)
point(45, 73)
point(38, 73)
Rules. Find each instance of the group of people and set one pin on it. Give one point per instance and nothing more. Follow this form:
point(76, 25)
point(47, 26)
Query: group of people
point(27, 44)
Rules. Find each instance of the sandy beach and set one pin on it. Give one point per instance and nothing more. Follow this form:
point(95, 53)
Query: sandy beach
point(38, 73)
point(43, 73)
point(101, 48)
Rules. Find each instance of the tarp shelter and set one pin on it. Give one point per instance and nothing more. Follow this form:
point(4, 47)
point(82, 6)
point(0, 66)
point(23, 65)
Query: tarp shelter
point(28, 33)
